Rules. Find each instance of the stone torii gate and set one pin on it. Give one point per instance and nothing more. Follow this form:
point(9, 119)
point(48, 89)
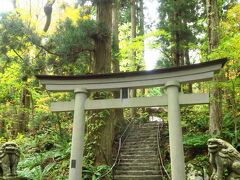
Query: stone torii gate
point(168, 77)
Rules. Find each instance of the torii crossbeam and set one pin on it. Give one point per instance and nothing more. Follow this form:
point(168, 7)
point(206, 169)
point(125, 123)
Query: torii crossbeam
point(168, 77)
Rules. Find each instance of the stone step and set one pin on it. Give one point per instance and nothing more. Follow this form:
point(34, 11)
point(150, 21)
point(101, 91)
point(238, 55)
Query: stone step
point(142, 135)
point(139, 138)
point(146, 160)
point(147, 145)
point(138, 167)
point(144, 130)
point(141, 143)
point(152, 126)
point(129, 177)
point(142, 152)
point(137, 156)
point(132, 172)
point(146, 124)
point(136, 149)
point(131, 164)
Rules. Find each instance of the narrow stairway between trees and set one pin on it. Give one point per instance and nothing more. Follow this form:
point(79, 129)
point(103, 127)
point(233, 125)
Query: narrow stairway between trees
point(139, 158)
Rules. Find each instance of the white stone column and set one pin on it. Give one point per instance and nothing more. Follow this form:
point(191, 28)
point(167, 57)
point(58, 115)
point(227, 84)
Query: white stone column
point(175, 132)
point(76, 161)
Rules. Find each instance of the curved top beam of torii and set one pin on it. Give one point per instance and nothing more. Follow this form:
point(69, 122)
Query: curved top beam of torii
point(140, 79)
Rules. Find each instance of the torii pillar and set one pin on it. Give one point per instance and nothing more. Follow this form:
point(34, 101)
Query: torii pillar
point(76, 162)
point(175, 132)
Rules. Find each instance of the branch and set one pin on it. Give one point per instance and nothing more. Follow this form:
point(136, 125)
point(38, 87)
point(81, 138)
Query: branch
point(74, 52)
point(18, 54)
point(48, 51)
point(48, 13)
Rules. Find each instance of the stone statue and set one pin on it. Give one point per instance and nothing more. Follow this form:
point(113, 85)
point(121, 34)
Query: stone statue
point(193, 174)
point(223, 157)
point(9, 158)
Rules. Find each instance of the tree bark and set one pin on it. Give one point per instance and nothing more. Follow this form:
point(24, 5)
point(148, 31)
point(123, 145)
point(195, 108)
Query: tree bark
point(177, 51)
point(213, 24)
point(21, 124)
point(216, 92)
point(119, 118)
point(103, 65)
point(187, 62)
point(141, 17)
point(133, 58)
point(115, 38)
point(103, 46)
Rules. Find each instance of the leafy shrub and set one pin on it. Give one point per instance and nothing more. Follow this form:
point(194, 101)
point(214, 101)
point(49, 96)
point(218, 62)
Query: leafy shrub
point(195, 140)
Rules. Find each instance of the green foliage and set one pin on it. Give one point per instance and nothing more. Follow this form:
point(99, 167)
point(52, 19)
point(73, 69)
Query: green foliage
point(230, 130)
point(95, 123)
point(180, 19)
point(196, 140)
point(43, 157)
point(229, 46)
point(155, 91)
point(74, 45)
point(47, 158)
point(127, 46)
point(75, 37)
point(200, 162)
point(94, 173)
point(195, 118)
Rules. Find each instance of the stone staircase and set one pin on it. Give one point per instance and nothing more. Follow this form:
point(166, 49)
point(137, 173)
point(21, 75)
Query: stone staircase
point(138, 158)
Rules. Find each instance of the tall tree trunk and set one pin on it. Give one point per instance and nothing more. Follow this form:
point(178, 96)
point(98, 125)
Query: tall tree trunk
point(103, 65)
point(213, 24)
point(176, 34)
point(133, 58)
point(115, 38)
point(186, 58)
point(118, 113)
point(141, 33)
point(141, 17)
point(21, 125)
point(141, 30)
point(187, 62)
point(103, 46)
point(133, 30)
point(216, 93)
